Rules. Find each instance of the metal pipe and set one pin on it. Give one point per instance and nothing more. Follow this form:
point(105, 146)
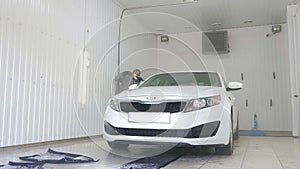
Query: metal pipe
point(119, 40)
point(85, 25)
point(161, 5)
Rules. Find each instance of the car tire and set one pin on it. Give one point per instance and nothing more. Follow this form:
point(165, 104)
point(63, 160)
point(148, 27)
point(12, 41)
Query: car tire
point(226, 149)
point(114, 145)
point(236, 135)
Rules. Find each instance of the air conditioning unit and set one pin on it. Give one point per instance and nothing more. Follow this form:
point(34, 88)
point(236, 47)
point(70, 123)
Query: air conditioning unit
point(215, 42)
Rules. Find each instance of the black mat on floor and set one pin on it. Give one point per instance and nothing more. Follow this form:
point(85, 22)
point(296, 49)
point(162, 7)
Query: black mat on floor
point(19, 165)
point(154, 162)
point(55, 157)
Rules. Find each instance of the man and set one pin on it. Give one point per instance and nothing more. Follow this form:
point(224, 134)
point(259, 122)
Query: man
point(122, 81)
point(136, 79)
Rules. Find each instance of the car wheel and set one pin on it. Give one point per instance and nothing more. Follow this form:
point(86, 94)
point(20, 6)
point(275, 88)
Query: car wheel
point(236, 135)
point(114, 145)
point(227, 149)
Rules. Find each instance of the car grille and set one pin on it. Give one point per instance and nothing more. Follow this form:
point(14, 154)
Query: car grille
point(172, 107)
point(202, 131)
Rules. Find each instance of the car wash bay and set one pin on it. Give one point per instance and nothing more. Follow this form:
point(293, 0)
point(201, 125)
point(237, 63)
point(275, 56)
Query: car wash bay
point(59, 58)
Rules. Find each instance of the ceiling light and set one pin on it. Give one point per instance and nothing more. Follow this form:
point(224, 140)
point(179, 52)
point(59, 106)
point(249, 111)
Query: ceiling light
point(248, 21)
point(190, 0)
point(217, 24)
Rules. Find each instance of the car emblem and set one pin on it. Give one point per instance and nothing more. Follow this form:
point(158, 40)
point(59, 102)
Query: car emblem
point(151, 98)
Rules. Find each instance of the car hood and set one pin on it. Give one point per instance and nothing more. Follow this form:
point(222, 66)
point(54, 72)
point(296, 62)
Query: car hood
point(169, 93)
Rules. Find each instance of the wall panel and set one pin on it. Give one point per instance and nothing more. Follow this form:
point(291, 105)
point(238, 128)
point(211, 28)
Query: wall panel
point(293, 22)
point(252, 54)
point(40, 43)
point(139, 45)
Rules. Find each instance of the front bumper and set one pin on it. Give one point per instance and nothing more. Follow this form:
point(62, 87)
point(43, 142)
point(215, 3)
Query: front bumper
point(210, 126)
point(202, 131)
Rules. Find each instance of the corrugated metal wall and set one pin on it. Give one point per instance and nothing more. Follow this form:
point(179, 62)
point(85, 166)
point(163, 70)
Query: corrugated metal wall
point(263, 61)
point(251, 54)
point(139, 45)
point(40, 44)
point(139, 52)
point(101, 43)
point(293, 22)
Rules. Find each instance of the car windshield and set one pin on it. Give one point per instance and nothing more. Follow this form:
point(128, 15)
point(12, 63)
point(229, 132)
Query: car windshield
point(184, 79)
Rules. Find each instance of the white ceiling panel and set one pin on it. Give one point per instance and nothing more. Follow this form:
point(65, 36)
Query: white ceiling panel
point(204, 13)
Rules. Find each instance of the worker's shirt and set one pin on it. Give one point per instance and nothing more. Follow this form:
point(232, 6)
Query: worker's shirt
point(137, 80)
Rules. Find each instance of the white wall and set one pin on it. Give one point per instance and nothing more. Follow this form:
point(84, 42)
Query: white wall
point(293, 19)
point(49, 90)
point(138, 46)
point(101, 44)
point(40, 43)
point(252, 54)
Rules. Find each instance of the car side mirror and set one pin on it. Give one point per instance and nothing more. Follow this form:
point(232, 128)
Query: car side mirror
point(233, 86)
point(133, 86)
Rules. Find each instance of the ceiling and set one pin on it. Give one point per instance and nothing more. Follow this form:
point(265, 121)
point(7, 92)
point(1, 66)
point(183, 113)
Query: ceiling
point(175, 16)
point(138, 3)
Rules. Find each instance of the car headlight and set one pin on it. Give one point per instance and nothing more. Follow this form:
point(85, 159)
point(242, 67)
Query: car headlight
point(201, 103)
point(114, 104)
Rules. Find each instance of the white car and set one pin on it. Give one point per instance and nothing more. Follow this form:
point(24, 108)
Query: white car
point(193, 108)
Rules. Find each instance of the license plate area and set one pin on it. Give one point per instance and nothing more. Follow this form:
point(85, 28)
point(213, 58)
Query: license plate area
point(149, 117)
